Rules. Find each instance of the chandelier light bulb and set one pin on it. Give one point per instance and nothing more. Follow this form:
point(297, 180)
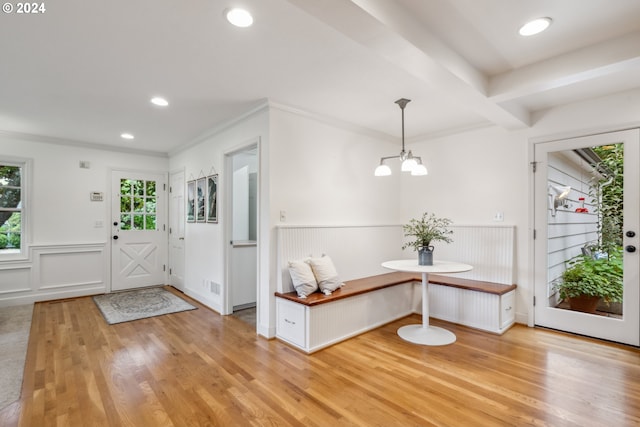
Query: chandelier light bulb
point(409, 164)
point(382, 170)
point(419, 170)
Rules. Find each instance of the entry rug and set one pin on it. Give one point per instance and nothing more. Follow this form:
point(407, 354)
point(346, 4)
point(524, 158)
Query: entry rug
point(139, 304)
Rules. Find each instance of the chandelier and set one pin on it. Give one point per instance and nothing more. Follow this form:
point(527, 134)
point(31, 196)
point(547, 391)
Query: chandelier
point(409, 162)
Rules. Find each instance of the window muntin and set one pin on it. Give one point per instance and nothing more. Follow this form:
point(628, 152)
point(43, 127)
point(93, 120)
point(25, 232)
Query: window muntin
point(137, 204)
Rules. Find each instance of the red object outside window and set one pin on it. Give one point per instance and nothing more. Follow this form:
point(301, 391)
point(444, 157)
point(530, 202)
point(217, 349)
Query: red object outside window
point(582, 209)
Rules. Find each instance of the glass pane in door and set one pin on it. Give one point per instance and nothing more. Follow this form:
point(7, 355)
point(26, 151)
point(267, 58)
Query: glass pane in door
point(137, 205)
point(584, 229)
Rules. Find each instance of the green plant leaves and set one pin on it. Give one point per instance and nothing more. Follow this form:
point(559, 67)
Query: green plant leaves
point(427, 229)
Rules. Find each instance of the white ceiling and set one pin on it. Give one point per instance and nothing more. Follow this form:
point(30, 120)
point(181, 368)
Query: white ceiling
point(84, 71)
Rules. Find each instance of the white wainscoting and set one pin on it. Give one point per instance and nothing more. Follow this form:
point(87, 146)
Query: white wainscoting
point(55, 272)
point(489, 249)
point(356, 251)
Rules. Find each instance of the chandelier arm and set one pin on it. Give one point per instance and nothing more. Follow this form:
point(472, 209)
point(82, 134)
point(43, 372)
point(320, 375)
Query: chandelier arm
point(382, 159)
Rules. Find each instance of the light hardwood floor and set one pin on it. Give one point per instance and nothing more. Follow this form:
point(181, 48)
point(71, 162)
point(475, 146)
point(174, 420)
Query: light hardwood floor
point(198, 368)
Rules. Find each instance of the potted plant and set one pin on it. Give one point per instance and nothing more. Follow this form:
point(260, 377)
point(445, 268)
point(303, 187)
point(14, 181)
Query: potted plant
point(425, 230)
point(589, 279)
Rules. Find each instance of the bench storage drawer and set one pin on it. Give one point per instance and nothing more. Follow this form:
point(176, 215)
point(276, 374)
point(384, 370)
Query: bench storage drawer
point(291, 324)
point(507, 310)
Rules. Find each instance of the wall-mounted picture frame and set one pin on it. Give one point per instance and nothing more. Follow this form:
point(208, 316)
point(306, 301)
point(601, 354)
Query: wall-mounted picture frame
point(212, 198)
point(191, 201)
point(201, 192)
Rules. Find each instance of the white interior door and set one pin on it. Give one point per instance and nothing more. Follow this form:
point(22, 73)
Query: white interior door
point(176, 230)
point(139, 237)
point(565, 224)
point(242, 258)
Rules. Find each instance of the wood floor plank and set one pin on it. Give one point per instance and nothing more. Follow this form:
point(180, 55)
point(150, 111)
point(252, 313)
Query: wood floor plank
point(198, 368)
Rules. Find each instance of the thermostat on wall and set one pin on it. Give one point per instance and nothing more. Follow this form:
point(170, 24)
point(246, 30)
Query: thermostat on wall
point(96, 196)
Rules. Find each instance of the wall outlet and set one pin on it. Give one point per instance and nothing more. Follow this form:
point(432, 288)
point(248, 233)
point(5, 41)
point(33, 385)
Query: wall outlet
point(499, 216)
point(283, 216)
point(214, 287)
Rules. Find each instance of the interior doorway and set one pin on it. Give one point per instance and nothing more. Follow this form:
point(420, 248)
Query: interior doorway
point(241, 177)
point(586, 215)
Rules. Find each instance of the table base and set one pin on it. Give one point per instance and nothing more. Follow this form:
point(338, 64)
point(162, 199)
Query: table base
point(430, 335)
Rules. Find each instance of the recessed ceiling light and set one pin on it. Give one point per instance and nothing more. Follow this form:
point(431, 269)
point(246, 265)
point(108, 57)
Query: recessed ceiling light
point(159, 101)
point(126, 135)
point(239, 17)
point(534, 27)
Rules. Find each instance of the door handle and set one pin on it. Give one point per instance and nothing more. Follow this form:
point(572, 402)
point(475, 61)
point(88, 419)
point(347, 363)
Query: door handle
point(630, 233)
point(180, 238)
point(115, 237)
point(630, 248)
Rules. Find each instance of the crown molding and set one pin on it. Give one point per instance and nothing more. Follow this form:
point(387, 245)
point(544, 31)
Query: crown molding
point(260, 106)
point(82, 144)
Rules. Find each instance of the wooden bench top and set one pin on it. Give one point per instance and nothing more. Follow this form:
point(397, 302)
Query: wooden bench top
point(381, 281)
point(472, 285)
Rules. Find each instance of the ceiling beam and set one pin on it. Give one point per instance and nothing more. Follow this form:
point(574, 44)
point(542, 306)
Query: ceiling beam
point(391, 32)
point(595, 61)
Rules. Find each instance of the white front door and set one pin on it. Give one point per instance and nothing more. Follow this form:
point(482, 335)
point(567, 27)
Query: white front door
point(580, 207)
point(176, 230)
point(139, 236)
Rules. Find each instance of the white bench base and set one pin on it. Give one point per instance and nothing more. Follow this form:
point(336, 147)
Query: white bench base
point(311, 328)
point(480, 310)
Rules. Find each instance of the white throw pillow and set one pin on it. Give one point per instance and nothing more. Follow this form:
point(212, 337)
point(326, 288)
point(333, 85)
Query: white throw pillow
point(302, 277)
point(326, 274)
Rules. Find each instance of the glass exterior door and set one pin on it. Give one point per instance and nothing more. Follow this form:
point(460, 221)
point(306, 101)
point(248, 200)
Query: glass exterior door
point(586, 236)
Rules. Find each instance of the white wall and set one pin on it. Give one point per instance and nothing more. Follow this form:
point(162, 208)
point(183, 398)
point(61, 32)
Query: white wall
point(69, 255)
point(466, 180)
point(322, 174)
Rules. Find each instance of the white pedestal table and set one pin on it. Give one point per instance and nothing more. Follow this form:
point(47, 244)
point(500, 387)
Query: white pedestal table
point(425, 334)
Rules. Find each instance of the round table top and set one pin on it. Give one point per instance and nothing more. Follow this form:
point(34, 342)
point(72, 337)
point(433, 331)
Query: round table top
point(411, 265)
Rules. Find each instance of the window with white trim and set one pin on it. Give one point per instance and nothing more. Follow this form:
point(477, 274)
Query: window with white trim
point(13, 190)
